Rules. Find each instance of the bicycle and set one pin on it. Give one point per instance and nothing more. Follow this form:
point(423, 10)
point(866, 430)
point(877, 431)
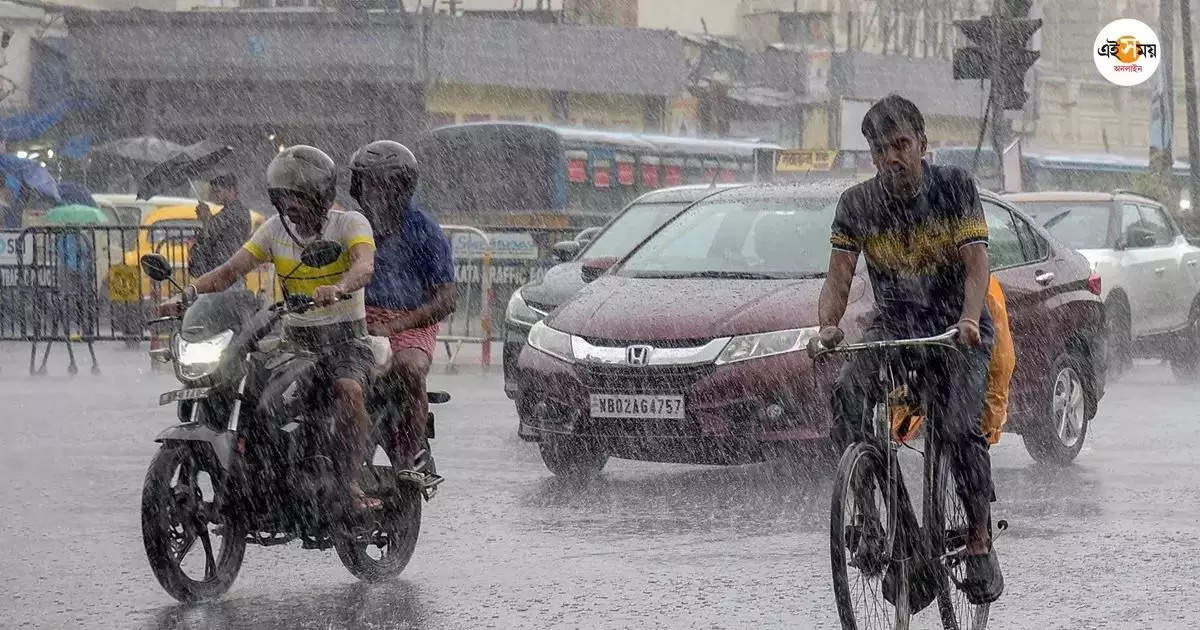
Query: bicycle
point(884, 542)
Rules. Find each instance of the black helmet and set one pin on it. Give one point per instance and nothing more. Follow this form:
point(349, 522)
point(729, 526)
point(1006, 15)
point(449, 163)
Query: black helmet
point(385, 161)
point(304, 170)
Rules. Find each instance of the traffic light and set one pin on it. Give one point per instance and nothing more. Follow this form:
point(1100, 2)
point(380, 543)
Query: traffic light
point(999, 51)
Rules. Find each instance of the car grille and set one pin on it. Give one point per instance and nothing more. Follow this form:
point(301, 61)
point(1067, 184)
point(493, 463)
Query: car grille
point(641, 380)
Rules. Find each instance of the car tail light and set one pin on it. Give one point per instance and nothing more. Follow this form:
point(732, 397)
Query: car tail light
point(1094, 283)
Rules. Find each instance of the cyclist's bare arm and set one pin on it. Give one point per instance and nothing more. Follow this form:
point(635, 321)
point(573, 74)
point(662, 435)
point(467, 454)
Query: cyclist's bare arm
point(223, 277)
point(975, 258)
point(836, 291)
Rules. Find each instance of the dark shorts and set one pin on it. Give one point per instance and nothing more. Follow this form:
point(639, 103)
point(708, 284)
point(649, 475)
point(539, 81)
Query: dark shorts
point(345, 351)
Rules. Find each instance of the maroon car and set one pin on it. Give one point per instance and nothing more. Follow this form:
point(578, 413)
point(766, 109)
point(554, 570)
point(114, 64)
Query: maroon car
point(690, 348)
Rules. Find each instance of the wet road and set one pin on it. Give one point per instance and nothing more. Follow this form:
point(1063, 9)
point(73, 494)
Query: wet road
point(1108, 543)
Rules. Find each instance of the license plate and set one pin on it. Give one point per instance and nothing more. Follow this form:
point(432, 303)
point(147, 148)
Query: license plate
point(637, 406)
point(183, 394)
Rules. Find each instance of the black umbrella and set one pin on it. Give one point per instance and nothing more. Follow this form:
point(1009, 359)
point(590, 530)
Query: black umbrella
point(141, 149)
point(190, 162)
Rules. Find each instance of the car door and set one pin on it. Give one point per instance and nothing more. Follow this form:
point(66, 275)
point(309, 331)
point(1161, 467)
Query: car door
point(1138, 262)
point(1176, 289)
point(1021, 261)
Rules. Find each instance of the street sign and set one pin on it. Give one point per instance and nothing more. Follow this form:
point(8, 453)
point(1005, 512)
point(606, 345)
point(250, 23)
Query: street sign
point(804, 160)
point(505, 246)
point(8, 248)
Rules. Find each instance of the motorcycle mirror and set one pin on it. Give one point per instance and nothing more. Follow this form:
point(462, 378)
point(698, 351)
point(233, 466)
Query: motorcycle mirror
point(156, 266)
point(595, 268)
point(321, 253)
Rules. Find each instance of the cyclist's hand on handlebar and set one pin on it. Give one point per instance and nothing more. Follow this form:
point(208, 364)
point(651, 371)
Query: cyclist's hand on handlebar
point(326, 295)
point(968, 333)
point(828, 338)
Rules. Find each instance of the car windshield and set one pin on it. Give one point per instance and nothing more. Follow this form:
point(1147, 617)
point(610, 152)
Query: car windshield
point(631, 228)
point(1079, 225)
point(753, 239)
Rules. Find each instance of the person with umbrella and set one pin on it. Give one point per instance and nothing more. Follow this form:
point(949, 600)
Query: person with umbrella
point(222, 234)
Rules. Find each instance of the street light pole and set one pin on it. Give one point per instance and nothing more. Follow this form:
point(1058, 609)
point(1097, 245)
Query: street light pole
point(1162, 112)
point(1189, 95)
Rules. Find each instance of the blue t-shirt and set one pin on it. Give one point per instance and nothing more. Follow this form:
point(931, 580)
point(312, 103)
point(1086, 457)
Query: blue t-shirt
point(410, 264)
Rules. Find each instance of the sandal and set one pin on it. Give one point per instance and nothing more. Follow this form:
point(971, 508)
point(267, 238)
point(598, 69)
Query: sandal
point(362, 500)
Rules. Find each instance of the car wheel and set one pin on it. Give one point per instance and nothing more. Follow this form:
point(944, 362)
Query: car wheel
point(1058, 439)
point(1185, 361)
point(1120, 341)
point(571, 457)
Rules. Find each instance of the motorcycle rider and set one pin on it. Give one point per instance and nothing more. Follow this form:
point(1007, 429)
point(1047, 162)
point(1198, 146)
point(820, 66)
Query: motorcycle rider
point(301, 182)
point(413, 288)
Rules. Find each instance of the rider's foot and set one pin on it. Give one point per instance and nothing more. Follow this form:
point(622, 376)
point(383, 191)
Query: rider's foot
point(984, 583)
point(361, 500)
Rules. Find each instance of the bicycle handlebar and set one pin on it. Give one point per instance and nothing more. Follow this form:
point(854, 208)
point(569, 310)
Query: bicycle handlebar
point(866, 346)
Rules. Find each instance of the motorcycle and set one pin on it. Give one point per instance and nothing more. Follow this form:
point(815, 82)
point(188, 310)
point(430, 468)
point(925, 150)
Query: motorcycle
point(250, 461)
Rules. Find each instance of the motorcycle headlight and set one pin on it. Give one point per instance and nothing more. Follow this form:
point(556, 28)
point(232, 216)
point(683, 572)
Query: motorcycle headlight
point(757, 346)
point(555, 343)
point(520, 313)
point(198, 359)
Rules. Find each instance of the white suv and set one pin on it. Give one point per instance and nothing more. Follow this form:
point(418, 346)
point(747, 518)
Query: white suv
point(1150, 274)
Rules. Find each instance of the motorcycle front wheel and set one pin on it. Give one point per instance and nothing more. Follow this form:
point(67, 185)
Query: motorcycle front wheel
point(193, 554)
point(382, 549)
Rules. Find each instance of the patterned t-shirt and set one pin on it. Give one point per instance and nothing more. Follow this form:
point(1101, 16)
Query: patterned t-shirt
point(916, 271)
point(272, 244)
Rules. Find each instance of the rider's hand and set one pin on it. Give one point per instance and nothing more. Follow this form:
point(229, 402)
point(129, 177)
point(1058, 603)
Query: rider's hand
point(828, 338)
point(379, 329)
point(326, 295)
point(170, 308)
point(968, 333)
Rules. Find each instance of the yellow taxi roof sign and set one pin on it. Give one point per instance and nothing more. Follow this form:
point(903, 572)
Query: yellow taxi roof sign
point(804, 160)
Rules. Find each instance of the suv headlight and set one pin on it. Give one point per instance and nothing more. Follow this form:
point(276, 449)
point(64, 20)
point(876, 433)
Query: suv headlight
point(757, 346)
point(520, 313)
point(555, 343)
point(197, 359)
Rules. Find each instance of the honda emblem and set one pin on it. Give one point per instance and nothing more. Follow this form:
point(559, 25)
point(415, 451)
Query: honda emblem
point(637, 355)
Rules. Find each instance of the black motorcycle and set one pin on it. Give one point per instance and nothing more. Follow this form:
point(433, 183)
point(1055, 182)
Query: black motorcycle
point(250, 461)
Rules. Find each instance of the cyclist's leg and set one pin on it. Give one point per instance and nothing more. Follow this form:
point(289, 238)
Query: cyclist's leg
point(857, 383)
point(954, 386)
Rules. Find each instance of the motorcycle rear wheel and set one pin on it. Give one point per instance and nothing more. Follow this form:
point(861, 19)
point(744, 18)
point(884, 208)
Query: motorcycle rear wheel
point(383, 550)
point(178, 499)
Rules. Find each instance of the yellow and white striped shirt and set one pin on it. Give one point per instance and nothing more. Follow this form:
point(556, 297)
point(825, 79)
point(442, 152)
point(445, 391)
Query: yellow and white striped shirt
point(271, 243)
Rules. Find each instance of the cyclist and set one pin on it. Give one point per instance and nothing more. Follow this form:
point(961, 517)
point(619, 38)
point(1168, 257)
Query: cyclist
point(413, 287)
point(302, 183)
point(922, 230)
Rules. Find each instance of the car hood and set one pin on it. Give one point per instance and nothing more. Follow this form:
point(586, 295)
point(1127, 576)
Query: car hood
point(556, 286)
point(651, 309)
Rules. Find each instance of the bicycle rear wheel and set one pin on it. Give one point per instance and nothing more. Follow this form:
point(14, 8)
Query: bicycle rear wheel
point(946, 528)
point(864, 545)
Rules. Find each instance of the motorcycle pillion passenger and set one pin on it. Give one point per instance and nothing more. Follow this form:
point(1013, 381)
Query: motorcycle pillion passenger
point(301, 182)
point(413, 288)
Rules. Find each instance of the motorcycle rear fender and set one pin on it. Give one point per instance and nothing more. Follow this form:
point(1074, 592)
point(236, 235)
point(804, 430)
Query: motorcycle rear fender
point(220, 441)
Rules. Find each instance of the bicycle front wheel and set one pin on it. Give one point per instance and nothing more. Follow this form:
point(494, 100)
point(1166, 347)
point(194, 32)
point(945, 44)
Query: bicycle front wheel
point(946, 527)
point(870, 579)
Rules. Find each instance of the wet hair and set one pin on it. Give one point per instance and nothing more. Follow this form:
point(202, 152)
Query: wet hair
point(889, 114)
point(224, 180)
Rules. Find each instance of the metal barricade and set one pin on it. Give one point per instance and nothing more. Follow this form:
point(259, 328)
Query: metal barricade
point(471, 321)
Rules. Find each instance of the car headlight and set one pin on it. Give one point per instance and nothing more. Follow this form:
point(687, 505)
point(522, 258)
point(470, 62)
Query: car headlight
point(198, 359)
point(520, 313)
point(757, 346)
point(555, 343)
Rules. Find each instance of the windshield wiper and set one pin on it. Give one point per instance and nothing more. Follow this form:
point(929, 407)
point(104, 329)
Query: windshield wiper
point(735, 275)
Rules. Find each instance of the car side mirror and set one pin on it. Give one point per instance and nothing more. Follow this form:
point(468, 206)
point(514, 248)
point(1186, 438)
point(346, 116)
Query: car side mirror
point(566, 250)
point(156, 266)
point(321, 253)
point(595, 268)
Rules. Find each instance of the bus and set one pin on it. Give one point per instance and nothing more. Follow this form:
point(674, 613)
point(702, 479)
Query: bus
point(525, 175)
point(1050, 171)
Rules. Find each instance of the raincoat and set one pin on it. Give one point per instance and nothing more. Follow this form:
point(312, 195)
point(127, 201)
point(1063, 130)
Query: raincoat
point(1004, 360)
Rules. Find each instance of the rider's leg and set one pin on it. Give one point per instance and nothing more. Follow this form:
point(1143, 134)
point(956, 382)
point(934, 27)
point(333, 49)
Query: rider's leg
point(409, 368)
point(857, 383)
point(954, 388)
point(351, 364)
